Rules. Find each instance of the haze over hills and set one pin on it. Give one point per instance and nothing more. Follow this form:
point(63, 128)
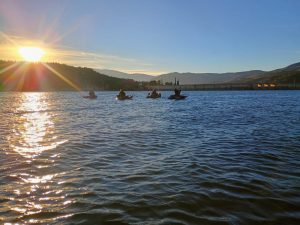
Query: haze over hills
point(122, 75)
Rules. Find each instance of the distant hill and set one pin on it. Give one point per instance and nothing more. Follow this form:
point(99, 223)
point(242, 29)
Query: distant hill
point(185, 78)
point(208, 78)
point(293, 67)
point(118, 74)
point(289, 74)
point(286, 74)
point(23, 76)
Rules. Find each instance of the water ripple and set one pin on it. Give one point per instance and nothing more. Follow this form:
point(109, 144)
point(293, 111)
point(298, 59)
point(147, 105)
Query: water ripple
point(215, 158)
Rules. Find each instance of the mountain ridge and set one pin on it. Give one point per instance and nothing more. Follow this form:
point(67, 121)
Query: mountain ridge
point(215, 78)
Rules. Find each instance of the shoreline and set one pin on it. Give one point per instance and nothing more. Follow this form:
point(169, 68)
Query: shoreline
point(189, 87)
point(227, 87)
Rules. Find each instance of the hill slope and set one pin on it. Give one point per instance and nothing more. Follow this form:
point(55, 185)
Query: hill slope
point(283, 75)
point(289, 74)
point(286, 75)
point(56, 77)
point(207, 78)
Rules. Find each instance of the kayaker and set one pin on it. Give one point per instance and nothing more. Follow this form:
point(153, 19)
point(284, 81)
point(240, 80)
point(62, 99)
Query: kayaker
point(122, 94)
point(177, 92)
point(154, 93)
point(92, 94)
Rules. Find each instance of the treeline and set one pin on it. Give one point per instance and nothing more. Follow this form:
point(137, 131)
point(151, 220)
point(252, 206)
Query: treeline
point(23, 76)
point(280, 77)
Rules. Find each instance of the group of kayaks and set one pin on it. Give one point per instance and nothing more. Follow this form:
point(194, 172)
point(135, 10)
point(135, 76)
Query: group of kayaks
point(154, 95)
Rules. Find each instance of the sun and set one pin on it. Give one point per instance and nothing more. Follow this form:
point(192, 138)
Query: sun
point(31, 54)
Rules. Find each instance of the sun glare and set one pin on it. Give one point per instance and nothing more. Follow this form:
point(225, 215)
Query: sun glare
point(31, 54)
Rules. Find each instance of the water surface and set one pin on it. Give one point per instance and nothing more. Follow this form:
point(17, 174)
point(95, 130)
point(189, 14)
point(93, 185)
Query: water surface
point(214, 158)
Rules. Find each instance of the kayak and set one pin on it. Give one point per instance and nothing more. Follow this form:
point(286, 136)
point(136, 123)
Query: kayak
point(90, 97)
point(154, 96)
point(176, 97)
point(127, 97)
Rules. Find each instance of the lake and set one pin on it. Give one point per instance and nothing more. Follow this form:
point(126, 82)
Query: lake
point(229, 157)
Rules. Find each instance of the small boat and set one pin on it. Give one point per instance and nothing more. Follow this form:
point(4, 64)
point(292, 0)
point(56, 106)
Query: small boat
point(177, 97)
point(127, 97)
point(90, 97)
point(154, 96)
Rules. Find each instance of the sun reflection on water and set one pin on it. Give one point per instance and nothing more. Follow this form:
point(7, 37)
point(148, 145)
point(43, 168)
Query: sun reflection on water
point(36, 185)
point(33, 130)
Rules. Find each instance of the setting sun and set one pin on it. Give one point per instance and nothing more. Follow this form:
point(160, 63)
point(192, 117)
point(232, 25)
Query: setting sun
point(31, 54)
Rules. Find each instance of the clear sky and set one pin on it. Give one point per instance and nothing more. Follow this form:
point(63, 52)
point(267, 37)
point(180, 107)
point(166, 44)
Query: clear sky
point(155, 36)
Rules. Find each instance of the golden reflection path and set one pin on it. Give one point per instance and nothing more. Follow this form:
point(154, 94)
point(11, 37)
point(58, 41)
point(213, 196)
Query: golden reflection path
point(33, 139)
point(32, 133)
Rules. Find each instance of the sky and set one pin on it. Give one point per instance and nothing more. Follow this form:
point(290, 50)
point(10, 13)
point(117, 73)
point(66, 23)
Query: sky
point(155, 36)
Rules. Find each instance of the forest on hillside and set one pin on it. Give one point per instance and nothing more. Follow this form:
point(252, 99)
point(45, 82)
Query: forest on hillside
point(24, 76)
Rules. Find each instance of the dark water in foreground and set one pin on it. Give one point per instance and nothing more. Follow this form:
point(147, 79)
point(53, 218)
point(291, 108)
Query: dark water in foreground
point(215, 158)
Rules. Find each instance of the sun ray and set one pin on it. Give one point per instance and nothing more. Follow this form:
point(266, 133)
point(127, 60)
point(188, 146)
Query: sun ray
point(49, 34)
point(66, 33)
point(62, 77)
point(9, 39)
point(21, 68)
point(9, 67)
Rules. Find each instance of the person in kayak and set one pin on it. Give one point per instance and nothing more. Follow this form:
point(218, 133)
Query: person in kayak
point(92, 94)
point(154, 93)
point(177, 92)
point(122, 94)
